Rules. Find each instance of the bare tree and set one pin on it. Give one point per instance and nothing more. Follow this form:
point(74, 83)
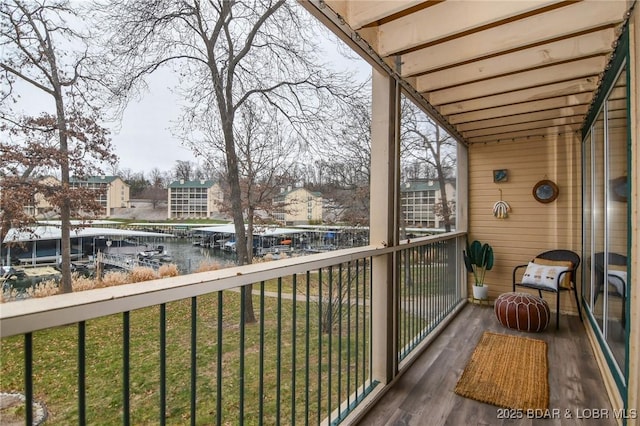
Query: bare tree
point(228, 52)
point(344, 171)
point(265, 154)
point(427, 143)
point(156, 194)
point(184, 170)
point(39, 51)
point(157, 178)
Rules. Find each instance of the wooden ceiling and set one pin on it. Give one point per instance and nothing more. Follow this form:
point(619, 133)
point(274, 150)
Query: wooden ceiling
point(490, 70)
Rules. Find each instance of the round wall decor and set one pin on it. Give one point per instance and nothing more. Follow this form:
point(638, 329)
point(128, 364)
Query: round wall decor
point(545, 191)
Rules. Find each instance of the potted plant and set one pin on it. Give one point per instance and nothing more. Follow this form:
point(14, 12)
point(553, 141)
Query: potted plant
point(478, 259)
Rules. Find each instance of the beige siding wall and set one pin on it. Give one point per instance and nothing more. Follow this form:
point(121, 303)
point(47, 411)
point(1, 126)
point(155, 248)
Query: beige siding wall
point(297, 206)
point(215, 197)
point(117, 195)
point(531, 227)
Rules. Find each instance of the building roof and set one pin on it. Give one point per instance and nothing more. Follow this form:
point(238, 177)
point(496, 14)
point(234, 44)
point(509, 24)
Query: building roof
point(292, 190)
point(54, 233)
point(95, 179)
point(420, 185)
point(258, 230)
point(191, 184)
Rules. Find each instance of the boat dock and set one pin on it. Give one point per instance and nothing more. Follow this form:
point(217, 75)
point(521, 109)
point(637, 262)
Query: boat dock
point(128, 263)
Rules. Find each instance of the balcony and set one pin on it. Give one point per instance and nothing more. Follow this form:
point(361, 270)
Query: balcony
point(340, 333)
point(424, 393)
point(181, 350)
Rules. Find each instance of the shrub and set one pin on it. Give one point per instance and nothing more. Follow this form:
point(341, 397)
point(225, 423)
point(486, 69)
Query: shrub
point(170, 270)
point(142, 274)
point(208, 265)
point(115, 278)
point(44, 289)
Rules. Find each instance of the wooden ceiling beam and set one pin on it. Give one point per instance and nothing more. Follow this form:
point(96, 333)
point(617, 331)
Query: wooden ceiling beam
point(539, 77)
point(524, 126)
point(362, 13)
point(548, 131)
point(435, 23)
point(584, 45)
point(570, 87)
point(579, 110)
point(553, 25)
point(503, 111)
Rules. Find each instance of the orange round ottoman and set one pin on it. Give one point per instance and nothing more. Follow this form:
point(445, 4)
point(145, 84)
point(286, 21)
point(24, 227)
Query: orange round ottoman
point(522, 311)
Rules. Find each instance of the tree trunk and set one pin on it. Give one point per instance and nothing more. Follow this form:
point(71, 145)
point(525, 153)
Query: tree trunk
point(446, 214)
point(238, 220)
point(65, 209)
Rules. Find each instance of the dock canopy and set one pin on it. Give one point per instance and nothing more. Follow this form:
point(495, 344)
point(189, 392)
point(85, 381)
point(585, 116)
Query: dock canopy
point(54, 233)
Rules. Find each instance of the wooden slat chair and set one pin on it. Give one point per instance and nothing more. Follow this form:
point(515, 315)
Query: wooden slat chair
point(554, 284)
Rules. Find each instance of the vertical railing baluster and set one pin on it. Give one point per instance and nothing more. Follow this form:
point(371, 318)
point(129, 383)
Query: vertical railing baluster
point(82, 394)
point(194, 353)
point(357, 354)
point(405, 302)
point(442, 281)
point(294, 320)
point(307, 343)
point(319, 409)
point(417, 293)
point(163, 363)
point(349, 335)
point(261, 361)
point(423, 294)
point(364, 336)
point(219, 364)
point(243, 301)
point(369, 285)
point(340, 290)
point(330, 332)
point(28, 377)
point(126, 370)
point(412, 323)
point(432, 286)
point(425, 289)
point(279, 351)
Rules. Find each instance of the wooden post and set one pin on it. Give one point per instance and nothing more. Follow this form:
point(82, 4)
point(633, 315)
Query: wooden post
point(384, 158)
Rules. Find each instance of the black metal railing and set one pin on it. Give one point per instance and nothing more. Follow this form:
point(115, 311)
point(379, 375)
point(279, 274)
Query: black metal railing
point(187, 350)
point(428, 290)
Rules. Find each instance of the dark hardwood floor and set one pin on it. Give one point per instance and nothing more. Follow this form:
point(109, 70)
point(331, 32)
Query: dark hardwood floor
point(424, 394)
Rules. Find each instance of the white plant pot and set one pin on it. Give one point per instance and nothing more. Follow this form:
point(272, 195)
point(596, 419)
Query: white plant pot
point(480, 293)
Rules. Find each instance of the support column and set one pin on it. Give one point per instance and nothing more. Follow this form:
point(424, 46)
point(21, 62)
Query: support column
point(384, 166)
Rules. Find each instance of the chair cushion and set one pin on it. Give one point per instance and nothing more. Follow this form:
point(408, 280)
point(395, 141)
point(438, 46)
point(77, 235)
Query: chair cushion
point(542, 275)
point(566, 278)
point(522, 311)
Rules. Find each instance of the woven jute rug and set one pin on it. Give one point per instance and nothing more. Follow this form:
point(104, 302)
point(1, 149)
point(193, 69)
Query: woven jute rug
point(507, 371)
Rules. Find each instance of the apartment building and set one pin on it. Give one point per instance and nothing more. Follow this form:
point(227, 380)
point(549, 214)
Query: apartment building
point(111, 191)
point(193, 199)
point(421, 202)
point(297, 206)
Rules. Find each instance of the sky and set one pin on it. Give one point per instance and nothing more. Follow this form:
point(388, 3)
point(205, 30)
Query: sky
point(142, 139)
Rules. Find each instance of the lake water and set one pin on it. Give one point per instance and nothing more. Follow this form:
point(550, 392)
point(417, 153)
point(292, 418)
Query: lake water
point(188, 257)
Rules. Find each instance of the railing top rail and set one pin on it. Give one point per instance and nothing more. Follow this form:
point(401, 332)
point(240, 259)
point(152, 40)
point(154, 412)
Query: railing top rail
point(41, 313)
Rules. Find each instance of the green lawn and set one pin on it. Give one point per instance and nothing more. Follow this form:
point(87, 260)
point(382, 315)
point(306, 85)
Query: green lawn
point(55, 364)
